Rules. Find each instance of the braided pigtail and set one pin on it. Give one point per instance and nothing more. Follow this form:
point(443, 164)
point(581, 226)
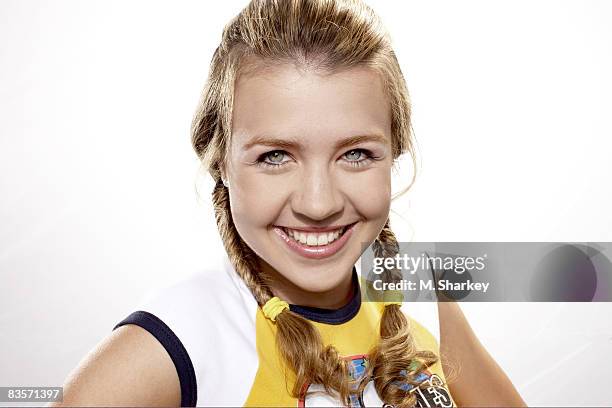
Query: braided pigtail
point(395, 359)
point(240, 254)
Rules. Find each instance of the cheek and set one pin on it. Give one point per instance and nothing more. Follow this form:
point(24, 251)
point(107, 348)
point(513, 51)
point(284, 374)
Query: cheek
point(370, 193)
point(255, 202)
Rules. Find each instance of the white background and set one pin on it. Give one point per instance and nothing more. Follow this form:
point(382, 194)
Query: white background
point(511, 102)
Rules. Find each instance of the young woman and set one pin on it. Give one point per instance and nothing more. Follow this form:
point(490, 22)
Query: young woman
point(303, 117)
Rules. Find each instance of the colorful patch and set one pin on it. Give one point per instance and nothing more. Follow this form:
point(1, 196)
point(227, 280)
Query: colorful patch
point(431, 394)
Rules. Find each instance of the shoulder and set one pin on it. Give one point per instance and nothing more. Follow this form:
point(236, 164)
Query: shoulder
point(128, 367)
point(186, 318)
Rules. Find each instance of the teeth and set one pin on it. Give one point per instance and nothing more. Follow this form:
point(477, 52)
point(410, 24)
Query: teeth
point(314, 239)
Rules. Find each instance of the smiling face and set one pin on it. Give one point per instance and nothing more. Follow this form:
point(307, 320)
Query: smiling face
point(309, 170)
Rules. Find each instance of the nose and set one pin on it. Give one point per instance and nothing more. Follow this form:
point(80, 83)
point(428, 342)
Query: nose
point(317, 195)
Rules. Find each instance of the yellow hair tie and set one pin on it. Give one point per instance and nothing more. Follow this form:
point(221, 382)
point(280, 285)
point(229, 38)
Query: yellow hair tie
point(274, 307)
point(393, 297)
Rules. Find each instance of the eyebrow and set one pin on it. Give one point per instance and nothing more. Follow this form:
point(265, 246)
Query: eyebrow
point(289, 144)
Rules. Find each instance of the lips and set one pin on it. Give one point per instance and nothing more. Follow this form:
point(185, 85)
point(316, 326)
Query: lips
point(315, 245)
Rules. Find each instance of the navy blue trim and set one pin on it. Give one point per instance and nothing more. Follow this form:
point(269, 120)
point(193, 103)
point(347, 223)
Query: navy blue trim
point(174, 347)
point(333, 316)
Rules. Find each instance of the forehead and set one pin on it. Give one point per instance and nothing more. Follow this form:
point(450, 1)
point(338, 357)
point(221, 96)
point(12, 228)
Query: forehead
point(304, 104)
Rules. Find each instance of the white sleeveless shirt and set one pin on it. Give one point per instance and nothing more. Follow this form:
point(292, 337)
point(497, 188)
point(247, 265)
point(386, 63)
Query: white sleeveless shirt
point(224, 352)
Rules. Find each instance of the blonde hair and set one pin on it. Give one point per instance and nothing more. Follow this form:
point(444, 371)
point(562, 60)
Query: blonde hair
point(328, 36)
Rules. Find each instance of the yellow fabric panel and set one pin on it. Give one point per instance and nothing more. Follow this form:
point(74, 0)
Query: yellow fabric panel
point(358, 335)
point(273, 383)
point(269, 388)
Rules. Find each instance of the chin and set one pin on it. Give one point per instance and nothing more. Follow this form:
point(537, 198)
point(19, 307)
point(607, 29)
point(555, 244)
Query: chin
point(320, 279)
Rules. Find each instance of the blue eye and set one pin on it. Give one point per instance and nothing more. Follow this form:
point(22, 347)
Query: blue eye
point(275, 158)
point(358, 157)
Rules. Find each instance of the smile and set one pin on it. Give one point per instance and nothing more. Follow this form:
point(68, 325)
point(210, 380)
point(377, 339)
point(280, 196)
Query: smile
point(313, 238)
point(312, 244)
